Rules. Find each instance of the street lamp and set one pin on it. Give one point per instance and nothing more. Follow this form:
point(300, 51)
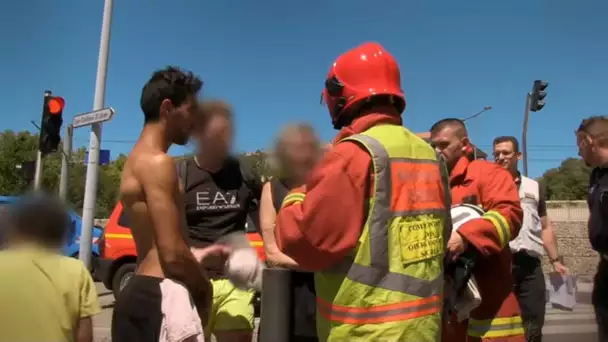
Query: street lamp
point(485, 109)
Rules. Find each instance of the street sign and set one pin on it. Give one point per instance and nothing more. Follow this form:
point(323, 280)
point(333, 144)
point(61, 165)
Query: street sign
point(104, 157)
point(95, 116)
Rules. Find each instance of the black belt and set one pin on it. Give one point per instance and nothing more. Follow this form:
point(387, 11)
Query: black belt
point(522, 257)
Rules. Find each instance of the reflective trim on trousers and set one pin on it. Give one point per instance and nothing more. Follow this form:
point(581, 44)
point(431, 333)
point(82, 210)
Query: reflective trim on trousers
point(501, 225)
point(497, 327)
point(380, 313)
point(293, 198)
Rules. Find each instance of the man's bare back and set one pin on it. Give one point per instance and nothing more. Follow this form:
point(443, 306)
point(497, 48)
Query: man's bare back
point(134, 202)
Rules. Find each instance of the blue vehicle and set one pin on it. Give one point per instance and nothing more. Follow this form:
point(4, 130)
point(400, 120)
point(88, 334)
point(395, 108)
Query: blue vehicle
point(72, 246)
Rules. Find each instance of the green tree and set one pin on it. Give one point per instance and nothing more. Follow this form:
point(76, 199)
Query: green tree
point(258, 163)
point(569, 181)
point(18, 148)
point(15, 149)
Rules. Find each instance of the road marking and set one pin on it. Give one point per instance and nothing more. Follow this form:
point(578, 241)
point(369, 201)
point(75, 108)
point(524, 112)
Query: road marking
point(570, 329)
point(581, 320)
point(568, 317)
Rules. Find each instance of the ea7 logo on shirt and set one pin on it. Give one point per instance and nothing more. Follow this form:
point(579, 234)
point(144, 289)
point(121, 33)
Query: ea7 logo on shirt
point(217, 200)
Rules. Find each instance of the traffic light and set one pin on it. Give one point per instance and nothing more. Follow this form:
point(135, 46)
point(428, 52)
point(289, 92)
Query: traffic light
point(538, 95)
point(50, 128)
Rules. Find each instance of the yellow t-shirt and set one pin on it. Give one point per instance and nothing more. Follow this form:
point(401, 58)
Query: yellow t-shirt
point(43, 295)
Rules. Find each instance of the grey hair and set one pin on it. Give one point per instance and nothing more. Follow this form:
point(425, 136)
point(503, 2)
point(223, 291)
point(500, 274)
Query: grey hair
point(276, 157)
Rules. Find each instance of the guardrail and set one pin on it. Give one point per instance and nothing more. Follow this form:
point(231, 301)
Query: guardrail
point(568, 211)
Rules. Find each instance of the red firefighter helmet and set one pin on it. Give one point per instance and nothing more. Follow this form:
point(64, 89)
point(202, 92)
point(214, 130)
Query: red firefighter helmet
point(358, 75)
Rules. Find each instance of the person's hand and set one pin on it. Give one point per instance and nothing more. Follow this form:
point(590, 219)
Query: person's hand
point(208, 255)
point(456, 245)
point(278, 259)
point(559, 267)
point(212, 254)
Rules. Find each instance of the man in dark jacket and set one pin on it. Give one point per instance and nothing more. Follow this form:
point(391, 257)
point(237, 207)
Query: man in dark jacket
point(592, 141)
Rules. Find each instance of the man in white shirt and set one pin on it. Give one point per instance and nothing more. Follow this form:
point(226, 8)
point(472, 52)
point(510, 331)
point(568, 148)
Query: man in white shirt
point(536, 234)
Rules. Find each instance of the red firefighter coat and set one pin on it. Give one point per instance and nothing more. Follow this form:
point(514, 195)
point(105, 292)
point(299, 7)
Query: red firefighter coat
point(491, 187)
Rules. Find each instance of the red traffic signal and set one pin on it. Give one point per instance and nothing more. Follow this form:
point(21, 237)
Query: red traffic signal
point(55, 105)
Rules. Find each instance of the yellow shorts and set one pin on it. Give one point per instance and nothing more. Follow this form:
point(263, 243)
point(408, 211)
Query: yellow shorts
point(232, 308)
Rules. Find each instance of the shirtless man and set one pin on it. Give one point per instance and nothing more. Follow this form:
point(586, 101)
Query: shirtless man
point(156, 303)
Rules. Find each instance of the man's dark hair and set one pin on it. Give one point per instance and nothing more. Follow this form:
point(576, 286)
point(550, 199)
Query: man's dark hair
point(40, 218)
point(170, 83)
point(507, 138)
point(461, 129)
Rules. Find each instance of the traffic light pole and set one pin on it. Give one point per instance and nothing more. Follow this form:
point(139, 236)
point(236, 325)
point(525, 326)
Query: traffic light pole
point(524, 136)
point(65, 163)
point(90, 192)
point(38, 172)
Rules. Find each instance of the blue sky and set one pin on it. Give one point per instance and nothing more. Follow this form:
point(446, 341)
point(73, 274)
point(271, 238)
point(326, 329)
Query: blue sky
point(269, 59)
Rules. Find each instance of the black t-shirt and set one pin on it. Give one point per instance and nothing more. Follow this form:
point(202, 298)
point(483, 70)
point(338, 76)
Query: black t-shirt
point(216, 203)
point(279, 190)
point(598, 210)
point(302, 283)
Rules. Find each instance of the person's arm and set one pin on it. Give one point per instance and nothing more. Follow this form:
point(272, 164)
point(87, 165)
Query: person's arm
point(548, 234)
point(89, 306)
point(84, 331)
point(321, 222)
point(503, 218)
point(268, 217)
point(161, 190)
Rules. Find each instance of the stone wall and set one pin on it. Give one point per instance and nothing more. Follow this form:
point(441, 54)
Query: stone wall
point(573, 245)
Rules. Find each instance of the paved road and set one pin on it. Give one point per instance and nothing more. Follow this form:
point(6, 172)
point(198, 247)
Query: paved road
point(560, 326)
point(565, 326)
point(103, 321)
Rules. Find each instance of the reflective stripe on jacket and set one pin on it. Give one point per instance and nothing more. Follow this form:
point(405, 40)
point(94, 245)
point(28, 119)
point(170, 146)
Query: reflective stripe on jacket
point(390, 289)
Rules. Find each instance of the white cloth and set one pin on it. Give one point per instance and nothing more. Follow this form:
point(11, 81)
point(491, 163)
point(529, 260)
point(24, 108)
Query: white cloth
point(180, 318)
point(470, 298)
point(243, 268)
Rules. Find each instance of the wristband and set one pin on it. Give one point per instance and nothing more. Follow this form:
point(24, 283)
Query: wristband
point(558, 259)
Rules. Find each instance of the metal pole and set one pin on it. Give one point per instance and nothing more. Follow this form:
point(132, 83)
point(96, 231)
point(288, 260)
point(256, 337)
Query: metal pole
point(65, 163)
point(38, 173)
point(524, 136)
point(276, 323)
point(90, 192)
